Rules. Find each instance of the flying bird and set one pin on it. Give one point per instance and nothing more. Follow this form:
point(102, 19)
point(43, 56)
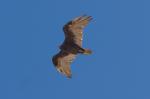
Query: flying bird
point(72, 45)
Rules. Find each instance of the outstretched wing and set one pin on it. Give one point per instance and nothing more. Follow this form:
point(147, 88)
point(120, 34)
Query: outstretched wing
point(74, 29)
point(62, 62)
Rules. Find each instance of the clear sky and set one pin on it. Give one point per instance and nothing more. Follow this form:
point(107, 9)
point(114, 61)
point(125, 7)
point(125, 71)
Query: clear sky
point(119, 35)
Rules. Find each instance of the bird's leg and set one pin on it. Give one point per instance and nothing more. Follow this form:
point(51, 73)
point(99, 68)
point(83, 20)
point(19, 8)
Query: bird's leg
point(87, 51)
point(82, 50)
point(78, 48)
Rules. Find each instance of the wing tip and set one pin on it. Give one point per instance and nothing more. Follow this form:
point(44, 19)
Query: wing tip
point(83, 17)
point(69, 76)
point(87, 17)
point(64, 72)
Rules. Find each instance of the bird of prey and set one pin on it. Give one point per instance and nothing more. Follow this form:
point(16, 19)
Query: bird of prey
point(72, 45)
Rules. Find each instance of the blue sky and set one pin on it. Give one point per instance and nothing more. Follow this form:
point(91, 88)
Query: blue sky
point(119, 35)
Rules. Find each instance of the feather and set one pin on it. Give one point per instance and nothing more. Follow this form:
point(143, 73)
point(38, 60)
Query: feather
point(72, 44)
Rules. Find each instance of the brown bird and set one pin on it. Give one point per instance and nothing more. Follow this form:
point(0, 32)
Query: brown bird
point(72, 44)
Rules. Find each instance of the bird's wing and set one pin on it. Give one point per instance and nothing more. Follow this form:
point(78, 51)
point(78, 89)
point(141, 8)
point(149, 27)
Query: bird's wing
point(63, 61)
point(74, 29)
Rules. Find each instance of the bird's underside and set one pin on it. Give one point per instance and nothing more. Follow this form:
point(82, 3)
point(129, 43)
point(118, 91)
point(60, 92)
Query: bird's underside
point(72, 44)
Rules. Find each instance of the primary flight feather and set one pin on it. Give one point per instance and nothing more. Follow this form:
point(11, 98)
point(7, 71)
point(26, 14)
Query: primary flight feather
point(72, 44)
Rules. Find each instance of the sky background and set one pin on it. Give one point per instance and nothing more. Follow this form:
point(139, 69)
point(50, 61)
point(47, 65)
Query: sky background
point(119, 35)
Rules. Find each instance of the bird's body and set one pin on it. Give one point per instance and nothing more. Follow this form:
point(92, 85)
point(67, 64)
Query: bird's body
point(72, 44)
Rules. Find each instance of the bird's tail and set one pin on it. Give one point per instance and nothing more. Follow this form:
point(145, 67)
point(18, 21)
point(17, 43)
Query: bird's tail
point(87, 51)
